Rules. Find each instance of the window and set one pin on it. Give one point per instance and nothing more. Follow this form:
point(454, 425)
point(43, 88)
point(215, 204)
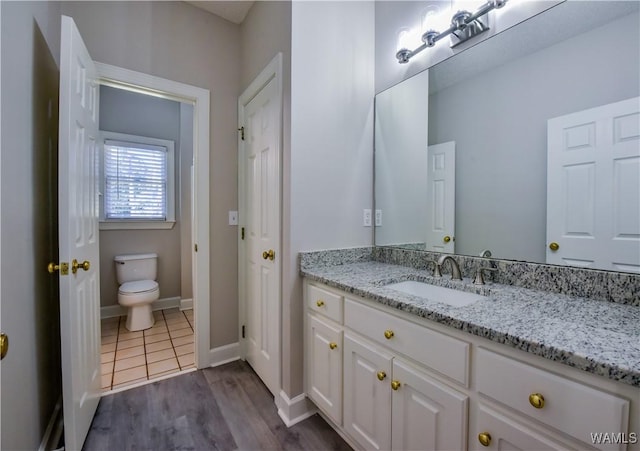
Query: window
point(137, 182)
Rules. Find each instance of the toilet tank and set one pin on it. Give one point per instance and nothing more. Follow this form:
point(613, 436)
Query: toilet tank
point(136, 267)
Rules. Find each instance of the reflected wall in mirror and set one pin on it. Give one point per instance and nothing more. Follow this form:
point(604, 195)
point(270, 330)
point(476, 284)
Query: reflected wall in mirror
point(494, 101)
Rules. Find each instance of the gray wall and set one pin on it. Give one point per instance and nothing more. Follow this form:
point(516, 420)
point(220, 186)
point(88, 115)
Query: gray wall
point(29, 313)
point(501, 132)
point(138, 114)
point(177, 41)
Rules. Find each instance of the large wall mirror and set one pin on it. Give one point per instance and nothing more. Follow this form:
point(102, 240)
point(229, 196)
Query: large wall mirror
point(461, 150)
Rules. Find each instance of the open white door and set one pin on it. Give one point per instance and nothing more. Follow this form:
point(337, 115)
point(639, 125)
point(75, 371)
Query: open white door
point(260, 252)
point(78, 235)
point(593, 188)
point(441, 197)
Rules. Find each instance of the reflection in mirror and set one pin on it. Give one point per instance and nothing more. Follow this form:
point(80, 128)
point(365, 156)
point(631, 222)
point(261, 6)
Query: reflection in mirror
point(495, 101)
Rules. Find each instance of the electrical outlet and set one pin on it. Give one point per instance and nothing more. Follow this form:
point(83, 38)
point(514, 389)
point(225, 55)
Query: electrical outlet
point(233, 218)
point(366, 217)
point(378, 218)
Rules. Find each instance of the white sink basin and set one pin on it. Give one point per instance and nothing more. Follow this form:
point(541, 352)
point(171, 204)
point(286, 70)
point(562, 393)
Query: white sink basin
point(435, 293)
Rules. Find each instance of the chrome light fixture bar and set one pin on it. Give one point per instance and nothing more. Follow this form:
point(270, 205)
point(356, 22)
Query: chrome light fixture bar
point(464, 26)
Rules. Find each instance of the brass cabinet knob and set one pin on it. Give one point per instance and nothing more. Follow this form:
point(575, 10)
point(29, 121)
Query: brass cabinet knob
point(320, 303)
point(269, 255)
point(381, 375)
point(536, 400)
point(395, 385)
point(484, 438)
point(554, 246)
point(446, 239)
point(85, 265)
point(333, 345)
point(388, 334)
point(4, 345)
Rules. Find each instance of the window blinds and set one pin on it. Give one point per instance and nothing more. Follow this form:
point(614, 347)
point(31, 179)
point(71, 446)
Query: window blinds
point(135, 181)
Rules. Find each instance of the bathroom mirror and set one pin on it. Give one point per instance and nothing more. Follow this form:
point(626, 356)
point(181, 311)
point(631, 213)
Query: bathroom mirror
point(493, 102)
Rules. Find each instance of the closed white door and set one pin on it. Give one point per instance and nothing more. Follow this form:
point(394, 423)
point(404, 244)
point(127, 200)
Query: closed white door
point(593, 188)
point(426, 414)
point(324, 366)
point(260, 255)
point(367, 393)
point(78, 235)
point(441, 197)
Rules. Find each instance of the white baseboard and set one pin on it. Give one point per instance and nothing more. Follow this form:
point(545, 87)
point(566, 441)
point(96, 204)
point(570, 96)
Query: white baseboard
point(293, 411)
point(186, 304)
point(111, 311)
point(223, 354)
point(53, 432)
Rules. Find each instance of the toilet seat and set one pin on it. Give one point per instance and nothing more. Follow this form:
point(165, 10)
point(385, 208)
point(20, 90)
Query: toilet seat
point(138, 287)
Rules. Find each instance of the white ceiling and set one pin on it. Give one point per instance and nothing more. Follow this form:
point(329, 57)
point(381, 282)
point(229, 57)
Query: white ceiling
point(234, 11)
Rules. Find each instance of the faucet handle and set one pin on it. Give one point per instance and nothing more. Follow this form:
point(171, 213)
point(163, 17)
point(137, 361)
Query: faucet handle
point(479, 279)
point(436, 268)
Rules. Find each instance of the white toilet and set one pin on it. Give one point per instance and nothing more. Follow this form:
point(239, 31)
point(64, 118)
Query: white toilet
point(136, 275)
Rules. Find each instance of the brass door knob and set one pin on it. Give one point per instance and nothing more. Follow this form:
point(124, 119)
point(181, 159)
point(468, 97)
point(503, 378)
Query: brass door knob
point(554, 246)
point(75, 265)
point(446, 239)
point(333, 345)
point(395, 385)
point(381, 375)
point(63, 267)
point(4, 345)
point(484, 438)
point(388, 334)
point(320, 303)
point(269, 255)
point(536, 400)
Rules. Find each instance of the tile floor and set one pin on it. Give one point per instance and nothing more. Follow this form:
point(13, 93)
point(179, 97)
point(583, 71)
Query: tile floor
point(132, 357)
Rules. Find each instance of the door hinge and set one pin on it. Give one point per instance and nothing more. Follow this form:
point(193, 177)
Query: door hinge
point(241, 130)
point(195, 247)
point(242, 233)
point(243, 331)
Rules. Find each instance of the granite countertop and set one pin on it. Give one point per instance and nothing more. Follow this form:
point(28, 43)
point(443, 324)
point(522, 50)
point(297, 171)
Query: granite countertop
point(599, 337)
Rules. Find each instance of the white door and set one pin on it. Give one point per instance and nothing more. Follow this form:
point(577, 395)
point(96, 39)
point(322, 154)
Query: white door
point(78, 235)
point(260, 254)
point(441, 197)
point(426, 414)
point(593, 188)
point(367, 393)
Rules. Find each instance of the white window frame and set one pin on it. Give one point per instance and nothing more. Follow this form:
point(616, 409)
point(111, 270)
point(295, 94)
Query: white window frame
point(140, 224)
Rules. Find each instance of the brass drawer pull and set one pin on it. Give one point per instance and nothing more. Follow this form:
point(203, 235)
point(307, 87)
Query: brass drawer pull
point(388, 334)
point(395, 385)
point(536, 400)
point(333, 345)
point(381, 375)
point(320, 303)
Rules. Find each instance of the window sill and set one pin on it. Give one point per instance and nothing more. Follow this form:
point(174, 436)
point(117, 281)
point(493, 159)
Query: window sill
point(136, 225)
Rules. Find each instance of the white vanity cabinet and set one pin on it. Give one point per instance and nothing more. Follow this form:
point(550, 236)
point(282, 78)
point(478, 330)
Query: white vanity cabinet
point(323, 351)
point(407, 384)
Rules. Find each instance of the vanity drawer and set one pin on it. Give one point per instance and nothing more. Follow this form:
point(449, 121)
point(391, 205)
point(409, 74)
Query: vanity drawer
point(446, 355)
point(324, 302)
point(569, 406)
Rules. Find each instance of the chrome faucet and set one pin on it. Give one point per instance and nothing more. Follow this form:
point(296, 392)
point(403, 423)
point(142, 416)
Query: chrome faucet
point(455, 269)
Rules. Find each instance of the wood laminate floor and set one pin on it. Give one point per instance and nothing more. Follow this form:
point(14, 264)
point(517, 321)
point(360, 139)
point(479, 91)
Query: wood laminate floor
point(222, 408)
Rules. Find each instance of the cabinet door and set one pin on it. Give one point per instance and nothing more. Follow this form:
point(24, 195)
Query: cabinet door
point(324, 367)
point(503, 433)
point(367, 393)
point(426, 414)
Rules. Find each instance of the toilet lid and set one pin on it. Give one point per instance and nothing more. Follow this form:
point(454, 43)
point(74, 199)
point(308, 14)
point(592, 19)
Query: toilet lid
point(138, 286)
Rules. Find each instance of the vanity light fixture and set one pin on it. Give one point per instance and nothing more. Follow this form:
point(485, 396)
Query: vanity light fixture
point(463, 26)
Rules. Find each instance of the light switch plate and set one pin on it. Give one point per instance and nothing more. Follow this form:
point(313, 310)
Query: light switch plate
point(233, 218)
point(378, 218)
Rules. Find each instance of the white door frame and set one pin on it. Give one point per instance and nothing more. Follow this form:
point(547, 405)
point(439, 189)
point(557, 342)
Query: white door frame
point(273, 70)
point(159, 87)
